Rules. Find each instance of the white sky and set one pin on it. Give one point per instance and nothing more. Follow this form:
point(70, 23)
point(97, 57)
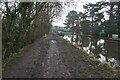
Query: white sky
point(79, 7)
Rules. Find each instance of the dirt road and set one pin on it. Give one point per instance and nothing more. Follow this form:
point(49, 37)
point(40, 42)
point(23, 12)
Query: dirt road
point(52, 57)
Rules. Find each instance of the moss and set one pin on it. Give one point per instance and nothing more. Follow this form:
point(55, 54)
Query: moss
point(105, 64)
point(118, 75)
point(91, 57)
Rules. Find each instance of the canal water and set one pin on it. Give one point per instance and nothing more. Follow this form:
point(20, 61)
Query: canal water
point(102, 49)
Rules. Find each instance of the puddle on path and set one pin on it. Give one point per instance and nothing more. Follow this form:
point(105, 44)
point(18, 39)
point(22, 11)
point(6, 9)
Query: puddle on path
point(53, 41)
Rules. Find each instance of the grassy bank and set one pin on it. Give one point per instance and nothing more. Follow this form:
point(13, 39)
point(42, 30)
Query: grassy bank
point(104, 65)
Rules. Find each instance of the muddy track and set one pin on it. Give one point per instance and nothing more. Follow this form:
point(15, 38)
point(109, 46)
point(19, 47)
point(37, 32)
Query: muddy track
point(52, 57)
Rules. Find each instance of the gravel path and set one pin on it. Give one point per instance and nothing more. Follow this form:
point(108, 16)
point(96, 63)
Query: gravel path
point(53, 57)
point(53, 66)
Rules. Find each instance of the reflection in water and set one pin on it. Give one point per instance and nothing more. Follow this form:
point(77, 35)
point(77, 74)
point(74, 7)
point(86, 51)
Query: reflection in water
point(101, 42)
point(68, 38)
point(104, 50)
point(102, 58)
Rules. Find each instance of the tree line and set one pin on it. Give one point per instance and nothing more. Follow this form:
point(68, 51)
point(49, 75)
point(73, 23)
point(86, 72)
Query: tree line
point(99, 19)
point(24, 22)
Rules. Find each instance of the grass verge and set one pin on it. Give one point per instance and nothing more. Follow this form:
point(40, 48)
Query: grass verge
point(104, 65)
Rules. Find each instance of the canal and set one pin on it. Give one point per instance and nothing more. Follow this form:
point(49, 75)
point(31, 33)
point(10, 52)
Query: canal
point(103, 49)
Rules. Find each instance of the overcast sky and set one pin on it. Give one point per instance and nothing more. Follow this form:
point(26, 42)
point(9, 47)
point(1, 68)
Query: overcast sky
point(79, 7)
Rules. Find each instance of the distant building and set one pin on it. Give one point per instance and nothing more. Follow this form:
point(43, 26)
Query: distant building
point(115, 36)
point(59, 29)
